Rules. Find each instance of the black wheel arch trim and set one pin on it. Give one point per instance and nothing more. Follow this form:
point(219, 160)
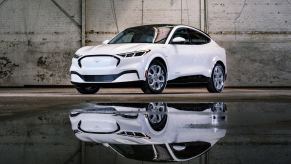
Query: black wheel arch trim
point(224, 68)
point(160, 59)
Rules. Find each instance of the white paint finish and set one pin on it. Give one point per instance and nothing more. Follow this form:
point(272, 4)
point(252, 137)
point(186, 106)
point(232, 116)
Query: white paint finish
point(127, 77)
point(76, 78)
point(181, 60)
point(113, 49)
point(194, 59)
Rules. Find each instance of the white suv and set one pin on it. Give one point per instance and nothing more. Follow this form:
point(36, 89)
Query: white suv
point(151, 56)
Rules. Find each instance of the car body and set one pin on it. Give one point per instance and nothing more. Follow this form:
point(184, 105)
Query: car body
point(152, 56)
point(138, 131)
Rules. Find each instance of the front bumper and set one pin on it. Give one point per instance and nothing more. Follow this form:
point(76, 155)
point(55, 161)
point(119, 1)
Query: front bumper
point(131, 75)
point(108, 69)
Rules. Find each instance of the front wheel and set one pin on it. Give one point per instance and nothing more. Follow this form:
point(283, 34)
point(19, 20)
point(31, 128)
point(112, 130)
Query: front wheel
point(88, 89)
point(157, 115)
point(216, 81)
point(156, 78)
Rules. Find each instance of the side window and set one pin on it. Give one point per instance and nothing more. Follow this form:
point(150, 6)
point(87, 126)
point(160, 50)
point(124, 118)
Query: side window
point(182, 32)
point(198, 38)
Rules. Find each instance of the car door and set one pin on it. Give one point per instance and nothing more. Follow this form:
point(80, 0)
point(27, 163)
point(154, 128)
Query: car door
point(200, 52)
point(180, 56)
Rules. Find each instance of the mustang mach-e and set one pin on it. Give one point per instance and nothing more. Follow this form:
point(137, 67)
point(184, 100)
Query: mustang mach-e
point(151, 56)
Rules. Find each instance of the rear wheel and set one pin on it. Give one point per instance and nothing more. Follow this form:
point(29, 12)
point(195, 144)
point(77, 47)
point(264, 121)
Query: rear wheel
point(87, 89)
point(216, 81)
point(156, 78)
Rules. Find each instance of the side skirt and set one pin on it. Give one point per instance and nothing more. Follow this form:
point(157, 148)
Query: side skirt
point(189, 81)
point(185, 81)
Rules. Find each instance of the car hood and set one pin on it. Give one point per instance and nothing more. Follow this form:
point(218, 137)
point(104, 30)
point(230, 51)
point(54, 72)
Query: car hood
point(112, 49)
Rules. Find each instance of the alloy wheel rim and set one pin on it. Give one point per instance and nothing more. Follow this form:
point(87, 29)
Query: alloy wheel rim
point(218, 78)
point(218, 107)
point(156, 77)
point(156, 112)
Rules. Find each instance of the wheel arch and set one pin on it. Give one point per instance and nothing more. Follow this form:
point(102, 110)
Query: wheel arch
point(145, 87)
point(157, 58)
point(222, 64)
point(160, 60)
point(217, 60)
point(224, 68)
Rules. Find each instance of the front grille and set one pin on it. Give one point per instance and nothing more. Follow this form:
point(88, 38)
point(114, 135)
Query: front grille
point(133, 134)
point(98, 61)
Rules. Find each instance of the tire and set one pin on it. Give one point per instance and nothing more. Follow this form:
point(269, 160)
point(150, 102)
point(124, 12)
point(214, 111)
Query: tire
point(216, 81)
point(156, 78)
point(157, 115)
point(87, 89)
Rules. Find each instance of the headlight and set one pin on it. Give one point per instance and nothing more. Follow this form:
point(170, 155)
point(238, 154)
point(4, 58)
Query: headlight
point(134, 54)
point(77, 56)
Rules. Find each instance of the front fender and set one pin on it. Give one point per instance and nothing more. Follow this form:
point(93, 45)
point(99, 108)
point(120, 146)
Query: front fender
point(151, 58)
point(214, 61)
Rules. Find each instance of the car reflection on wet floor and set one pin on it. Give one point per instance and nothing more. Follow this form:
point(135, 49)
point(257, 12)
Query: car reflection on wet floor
point(154, 131)
point(143, 133)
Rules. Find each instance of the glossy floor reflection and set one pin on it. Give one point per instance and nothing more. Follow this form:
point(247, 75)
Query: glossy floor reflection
point(159, 132)
point(154, 131)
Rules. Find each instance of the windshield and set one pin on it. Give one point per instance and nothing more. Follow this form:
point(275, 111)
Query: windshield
point(143, 34)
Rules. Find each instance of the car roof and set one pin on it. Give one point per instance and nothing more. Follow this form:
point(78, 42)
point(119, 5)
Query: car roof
point(171, 25)
point(154, 25)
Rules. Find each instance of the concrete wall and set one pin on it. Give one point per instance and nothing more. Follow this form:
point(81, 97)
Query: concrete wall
point(37, 41)
point(257, 36)
point(105, 18)
point(38, 38)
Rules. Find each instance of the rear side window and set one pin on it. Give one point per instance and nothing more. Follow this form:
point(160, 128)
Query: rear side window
point(197, 38)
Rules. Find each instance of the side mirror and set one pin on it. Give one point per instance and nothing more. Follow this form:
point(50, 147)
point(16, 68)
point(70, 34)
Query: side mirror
point(179, 147)
point(179, 40)
point(105, 42)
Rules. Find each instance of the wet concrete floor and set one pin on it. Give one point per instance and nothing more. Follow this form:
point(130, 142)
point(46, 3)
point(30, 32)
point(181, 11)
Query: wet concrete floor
point(61, 126)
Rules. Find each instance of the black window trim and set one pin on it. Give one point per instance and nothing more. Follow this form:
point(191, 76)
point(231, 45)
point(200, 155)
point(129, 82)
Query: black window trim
point(171, 26)
point(202, 33)
point(189, 28)
point(172, 37)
